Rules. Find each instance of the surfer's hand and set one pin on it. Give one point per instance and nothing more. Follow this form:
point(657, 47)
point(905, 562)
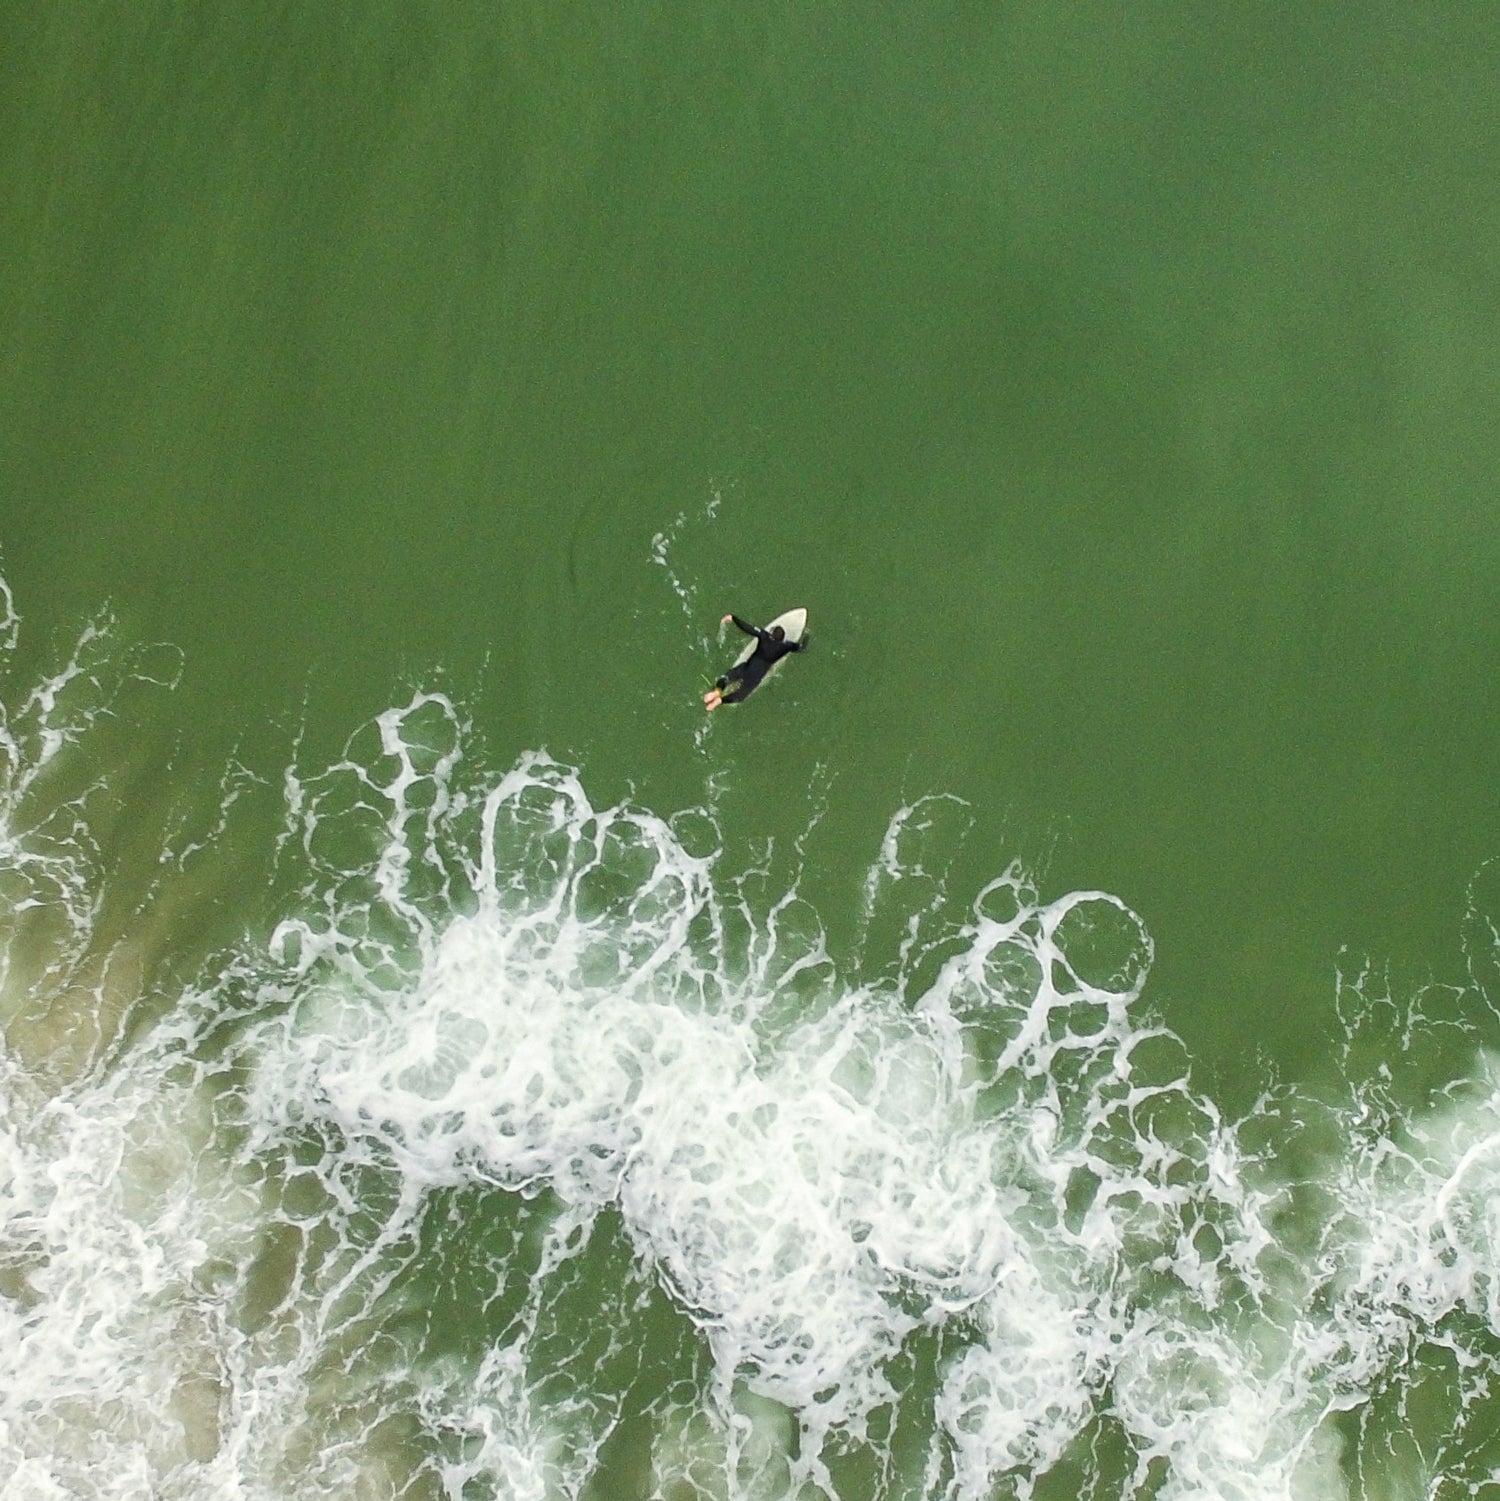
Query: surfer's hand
point(726, 620)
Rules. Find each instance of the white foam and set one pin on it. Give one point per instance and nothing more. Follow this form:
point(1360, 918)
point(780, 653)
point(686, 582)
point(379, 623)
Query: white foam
point(967, 1189)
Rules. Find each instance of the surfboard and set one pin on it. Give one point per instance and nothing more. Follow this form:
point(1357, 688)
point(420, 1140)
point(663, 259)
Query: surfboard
point(793, 622)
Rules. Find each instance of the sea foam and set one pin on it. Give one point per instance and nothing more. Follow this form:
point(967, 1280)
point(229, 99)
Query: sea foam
point(534, 1150)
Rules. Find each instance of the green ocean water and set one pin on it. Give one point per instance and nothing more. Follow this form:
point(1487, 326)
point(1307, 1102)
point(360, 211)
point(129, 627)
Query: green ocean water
point(1116, 387)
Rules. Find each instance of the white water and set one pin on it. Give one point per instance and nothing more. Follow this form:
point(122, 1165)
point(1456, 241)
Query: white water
point(528, 1144)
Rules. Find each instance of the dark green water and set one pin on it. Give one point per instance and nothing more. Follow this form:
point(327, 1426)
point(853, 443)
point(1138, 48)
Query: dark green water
point(1116, 386)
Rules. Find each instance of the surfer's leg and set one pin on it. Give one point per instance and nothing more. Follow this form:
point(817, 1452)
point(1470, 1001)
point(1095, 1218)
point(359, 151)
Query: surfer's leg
point(743, 679)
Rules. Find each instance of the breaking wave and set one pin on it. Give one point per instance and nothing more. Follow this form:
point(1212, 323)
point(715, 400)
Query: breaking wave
point(528, 1151)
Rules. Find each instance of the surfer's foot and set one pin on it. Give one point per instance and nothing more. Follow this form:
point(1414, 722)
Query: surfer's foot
point(712, 699)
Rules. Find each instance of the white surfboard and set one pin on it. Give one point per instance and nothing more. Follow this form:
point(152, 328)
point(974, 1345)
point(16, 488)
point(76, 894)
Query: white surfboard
point(793, 622)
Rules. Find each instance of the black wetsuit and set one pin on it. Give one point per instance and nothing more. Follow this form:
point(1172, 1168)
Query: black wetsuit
point(746, 676)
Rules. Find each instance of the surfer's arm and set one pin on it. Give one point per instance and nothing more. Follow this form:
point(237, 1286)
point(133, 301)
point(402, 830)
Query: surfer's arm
point(749, 630)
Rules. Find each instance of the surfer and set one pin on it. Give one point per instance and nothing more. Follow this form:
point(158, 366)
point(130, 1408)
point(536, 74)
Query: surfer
point(771, 645)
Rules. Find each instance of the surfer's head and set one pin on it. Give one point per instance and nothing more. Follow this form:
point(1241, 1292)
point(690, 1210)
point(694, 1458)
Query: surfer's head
point(777, 633)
